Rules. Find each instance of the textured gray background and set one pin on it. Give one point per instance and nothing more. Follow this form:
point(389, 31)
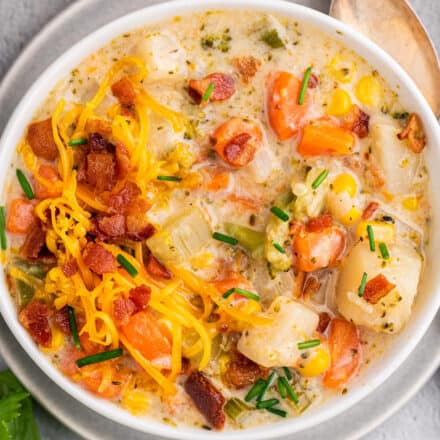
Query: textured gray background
point(22, 19)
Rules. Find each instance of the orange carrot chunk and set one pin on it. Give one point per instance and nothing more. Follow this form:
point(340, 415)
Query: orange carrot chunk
point(20, 216)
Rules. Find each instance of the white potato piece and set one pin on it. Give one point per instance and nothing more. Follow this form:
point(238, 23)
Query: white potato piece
point(398, 163)
point(275, 345)
point(162, 53)
point(392, 311)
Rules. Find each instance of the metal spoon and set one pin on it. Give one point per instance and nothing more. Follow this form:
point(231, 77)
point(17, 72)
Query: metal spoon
point(395, 27)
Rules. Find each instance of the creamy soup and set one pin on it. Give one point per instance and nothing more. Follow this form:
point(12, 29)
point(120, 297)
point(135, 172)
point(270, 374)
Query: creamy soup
point(217, 220)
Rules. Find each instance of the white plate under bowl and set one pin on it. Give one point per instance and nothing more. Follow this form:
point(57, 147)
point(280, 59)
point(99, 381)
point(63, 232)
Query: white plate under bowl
point(79, 20)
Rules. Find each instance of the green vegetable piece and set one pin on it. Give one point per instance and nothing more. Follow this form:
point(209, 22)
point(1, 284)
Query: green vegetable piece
point(272, 39)
point(25, 185)
point(127, 265)
point(256, 389)
point(25, 293)
point(290, 390)
point(99, 357)
point(234, 408)
point(36, 270)
point(3, 241)
point(278, 412)
point(269, 382)
point(267, 403)
point(251, 240)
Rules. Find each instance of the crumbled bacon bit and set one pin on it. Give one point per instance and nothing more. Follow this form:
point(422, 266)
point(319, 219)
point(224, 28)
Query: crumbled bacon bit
point(313, 81)
point(224, 87)
point(35, 319)
point(156, 268)
point(141, 297)
point(237, 151)
point(318, 224)
point(40, 139)
point(34, 242)
point(324, 321)
point(100, 171)
point(124, 91)
point(62, 320)
point(415, 134)
point(247, 67)
point(377, 288)
point(120, 202)
point(208, 400)
point(122, 161)
point(370, 210)
point(112, 226)
point(243, 372)
point(311, 285)
point(70, 267)
point(97, 144)
point(357, 121)
point(98, 259)
point(138, 229)
point(100, 126)
point(123, 308)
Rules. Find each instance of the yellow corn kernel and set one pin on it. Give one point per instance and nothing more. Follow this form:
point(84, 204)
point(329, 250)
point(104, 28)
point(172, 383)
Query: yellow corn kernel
point(411, 203)
point(316, 364)
point(57, 341)
point(340, 103)
point(345, 182)
point(135, 401)
point(342, 70)
point(369, 91)
point(351, 217)
point(382, 231)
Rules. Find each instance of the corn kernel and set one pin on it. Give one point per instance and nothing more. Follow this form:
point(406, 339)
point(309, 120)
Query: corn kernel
point(340, 103)
point(351, 217)
point(411, 203)
point(369, 91)
point(342, 70)
point(316, 364)
point(57, 340)
point(382, 231)
point(345, 182)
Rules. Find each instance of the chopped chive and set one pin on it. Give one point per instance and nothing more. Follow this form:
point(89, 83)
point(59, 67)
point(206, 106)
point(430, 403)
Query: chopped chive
point(278, 247)
point(208, 92)
point(256, 390)
point(363, 283)
point(278, 412)
point(3, 241)
point(308, 344)
point(279, 213)
point(225, 238)
point(267, 403)
point(268, 383)
point(127, 265)
point(370, 233)
point(99, 357)
point(73, 327)
point(25, 185)
point(281, 388)
point(384, 251)
point(169, 178)
point(322, 176)
point(242, 292)
point(287, 373)
point(78, 141)
point(290, 390)
point(302, 93)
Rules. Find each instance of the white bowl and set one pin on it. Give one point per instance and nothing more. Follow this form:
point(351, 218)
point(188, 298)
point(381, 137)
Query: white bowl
point(428, 299)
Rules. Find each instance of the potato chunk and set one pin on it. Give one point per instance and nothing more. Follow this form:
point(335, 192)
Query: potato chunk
point(397, 162)
point(275, 345)
point(391, 312)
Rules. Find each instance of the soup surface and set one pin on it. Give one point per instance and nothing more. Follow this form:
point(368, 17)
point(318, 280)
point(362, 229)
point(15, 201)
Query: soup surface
point(217, 220)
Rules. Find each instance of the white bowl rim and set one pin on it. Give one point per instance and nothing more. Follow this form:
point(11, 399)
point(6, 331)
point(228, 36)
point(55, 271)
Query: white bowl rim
point(150, 14)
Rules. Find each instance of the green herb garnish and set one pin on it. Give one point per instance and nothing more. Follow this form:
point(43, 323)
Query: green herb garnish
point(305, 82)
point(262, 404)
point(99, 357)
point(25, 185)
point(279, 213)
point(278, 412)
point(384, 251)
point(3, 240)
point(268, 383)
point(279, 248)
point(256, 390)
point(281, 388)
point(78, 141)
point(287, 373)
point(208, 92)
point(225, 238)
point(169, 178)
point(127, 265)
point(73, 327)
point(272, 39)
point(321, 177)
point(241, 292)
point(308, 344)
point(363, 283)
point(290, 390)
point(370, 233)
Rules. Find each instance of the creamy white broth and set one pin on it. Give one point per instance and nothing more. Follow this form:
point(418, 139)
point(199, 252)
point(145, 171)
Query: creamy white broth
point(191, 47)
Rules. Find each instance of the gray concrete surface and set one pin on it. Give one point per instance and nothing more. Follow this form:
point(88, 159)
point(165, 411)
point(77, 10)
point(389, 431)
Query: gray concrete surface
point(22, 19)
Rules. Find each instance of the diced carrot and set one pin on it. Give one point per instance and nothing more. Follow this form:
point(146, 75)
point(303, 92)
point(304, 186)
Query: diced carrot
point(284, 112)
point(148, 335)
point(93, 377)
point(323, 138)
point(20, 216)
point(218, 182)
point(41, 191)
point(345, 353)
